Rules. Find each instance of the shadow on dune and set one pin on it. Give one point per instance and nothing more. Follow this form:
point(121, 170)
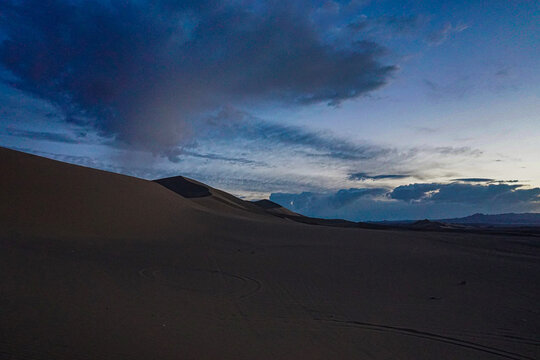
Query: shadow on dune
point(184, 187)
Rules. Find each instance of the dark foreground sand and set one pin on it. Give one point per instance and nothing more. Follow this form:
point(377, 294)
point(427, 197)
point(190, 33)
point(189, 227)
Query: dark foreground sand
point(95, 265)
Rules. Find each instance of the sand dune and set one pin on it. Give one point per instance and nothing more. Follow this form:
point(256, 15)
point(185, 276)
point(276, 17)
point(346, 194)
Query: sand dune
point(96, 265)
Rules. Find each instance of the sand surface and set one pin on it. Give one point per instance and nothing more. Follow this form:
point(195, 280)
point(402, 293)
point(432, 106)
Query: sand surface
point(95, 265)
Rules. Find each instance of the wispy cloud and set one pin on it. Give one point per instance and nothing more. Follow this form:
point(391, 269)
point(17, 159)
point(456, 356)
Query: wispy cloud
point(440, 35)
point(388, 26)
point(210, 156)
point(231, 124)
point(42, 135)
point(475, 180)
point(456, 89)
point(363, 176)
point(406, 24)
point(457, 150)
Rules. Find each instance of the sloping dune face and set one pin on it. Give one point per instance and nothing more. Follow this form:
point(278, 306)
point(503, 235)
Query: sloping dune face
point(48, 198)
point(96, 265)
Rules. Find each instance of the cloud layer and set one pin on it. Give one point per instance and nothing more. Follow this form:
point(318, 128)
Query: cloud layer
point(414, 201)
point(143, 72)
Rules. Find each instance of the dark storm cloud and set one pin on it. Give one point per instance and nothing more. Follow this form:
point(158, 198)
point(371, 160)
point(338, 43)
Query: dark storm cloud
point(466, 193)
point(309, 201)
point(42, 135)
point(412, 191)
point(363, 176)
point(414, 201)
point(145, 71)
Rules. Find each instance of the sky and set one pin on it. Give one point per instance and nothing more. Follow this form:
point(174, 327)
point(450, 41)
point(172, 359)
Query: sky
point(363, 110)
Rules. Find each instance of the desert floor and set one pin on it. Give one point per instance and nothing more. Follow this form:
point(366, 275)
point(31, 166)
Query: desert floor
point(95, 265)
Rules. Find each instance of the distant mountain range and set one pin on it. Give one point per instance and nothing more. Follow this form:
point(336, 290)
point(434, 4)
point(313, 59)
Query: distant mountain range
point(523, 219)
point(506, 220)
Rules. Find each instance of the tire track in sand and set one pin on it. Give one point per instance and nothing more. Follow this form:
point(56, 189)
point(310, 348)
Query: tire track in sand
point(429, 336)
